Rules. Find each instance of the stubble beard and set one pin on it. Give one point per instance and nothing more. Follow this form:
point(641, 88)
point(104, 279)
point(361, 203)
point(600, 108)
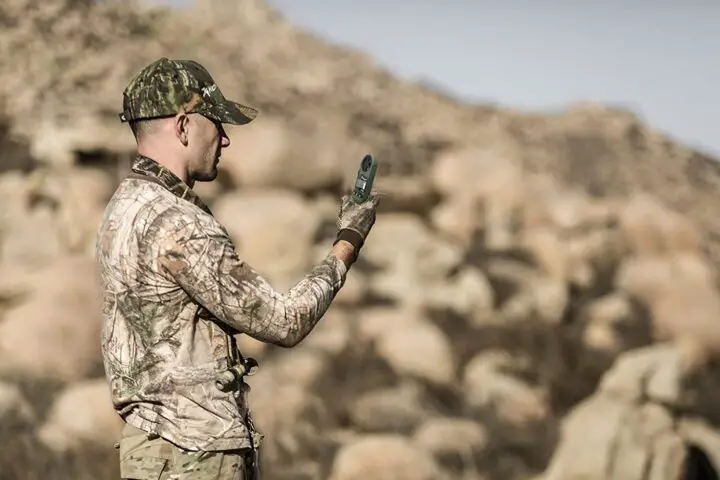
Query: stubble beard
point(210, 172)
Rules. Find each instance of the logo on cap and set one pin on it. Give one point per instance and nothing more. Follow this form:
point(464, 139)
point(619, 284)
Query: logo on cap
point(208, 91)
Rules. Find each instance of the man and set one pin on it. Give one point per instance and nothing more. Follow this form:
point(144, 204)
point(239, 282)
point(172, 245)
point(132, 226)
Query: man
point(175, 290)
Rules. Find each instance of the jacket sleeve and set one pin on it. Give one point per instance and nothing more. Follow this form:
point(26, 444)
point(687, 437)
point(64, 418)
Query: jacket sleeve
point(197, 253)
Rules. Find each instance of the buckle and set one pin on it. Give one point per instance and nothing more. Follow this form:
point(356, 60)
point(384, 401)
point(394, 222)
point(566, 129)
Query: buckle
point(228, 379)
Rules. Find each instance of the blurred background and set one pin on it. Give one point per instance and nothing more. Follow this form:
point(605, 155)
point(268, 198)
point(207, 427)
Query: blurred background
point(654, 58)
point(538, 299)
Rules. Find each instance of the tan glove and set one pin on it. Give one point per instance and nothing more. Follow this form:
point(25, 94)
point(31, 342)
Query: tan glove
point(356, 220)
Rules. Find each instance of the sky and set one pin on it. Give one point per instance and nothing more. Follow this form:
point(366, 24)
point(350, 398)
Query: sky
point(660, 58)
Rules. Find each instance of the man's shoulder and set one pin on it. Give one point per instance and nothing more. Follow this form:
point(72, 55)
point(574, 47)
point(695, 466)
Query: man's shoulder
point(143, 203)
point(164, 214)
point(143, 218)
point(142, 213)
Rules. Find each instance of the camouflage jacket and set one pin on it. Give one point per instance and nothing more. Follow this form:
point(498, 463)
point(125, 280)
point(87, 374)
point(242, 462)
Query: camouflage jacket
point(174, 291)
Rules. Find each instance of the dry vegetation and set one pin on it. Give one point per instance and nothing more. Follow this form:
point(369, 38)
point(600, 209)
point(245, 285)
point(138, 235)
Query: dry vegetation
point(538, 298)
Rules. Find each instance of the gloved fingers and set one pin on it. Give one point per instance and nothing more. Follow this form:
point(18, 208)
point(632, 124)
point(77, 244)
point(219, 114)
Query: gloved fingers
point(375, 197)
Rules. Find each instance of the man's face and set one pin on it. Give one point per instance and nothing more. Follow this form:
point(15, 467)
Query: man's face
point(206, 138)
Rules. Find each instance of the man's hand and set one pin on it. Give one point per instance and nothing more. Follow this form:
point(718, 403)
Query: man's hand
point(354, 224)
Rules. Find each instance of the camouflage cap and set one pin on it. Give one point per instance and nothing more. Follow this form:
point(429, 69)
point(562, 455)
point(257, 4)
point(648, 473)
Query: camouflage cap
point(167, 87)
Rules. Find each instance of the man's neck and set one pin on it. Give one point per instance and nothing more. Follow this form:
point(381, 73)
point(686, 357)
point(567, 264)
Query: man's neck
point(176, 167)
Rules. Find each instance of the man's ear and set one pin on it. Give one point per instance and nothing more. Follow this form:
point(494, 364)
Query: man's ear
point(181, 126)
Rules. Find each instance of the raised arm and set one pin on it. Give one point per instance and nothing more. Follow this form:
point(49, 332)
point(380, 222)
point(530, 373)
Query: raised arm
point(199, 256)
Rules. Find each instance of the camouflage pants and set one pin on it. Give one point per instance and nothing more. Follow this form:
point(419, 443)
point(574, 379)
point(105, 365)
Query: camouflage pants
point(152, 458)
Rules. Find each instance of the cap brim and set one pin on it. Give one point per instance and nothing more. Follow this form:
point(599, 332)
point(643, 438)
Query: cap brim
point(232, 113)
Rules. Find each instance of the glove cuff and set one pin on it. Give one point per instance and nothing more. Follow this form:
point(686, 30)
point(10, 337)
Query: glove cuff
point(352, 237)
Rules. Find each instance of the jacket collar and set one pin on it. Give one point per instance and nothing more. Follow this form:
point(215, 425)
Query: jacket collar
point(147, 167)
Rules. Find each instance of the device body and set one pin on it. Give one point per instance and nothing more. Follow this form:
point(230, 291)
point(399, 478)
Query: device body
point(365, 178)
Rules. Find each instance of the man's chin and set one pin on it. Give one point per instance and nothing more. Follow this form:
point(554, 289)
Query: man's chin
point(207, 176)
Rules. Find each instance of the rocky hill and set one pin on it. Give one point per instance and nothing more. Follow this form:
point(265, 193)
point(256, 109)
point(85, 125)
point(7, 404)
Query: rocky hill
point(538, 298)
